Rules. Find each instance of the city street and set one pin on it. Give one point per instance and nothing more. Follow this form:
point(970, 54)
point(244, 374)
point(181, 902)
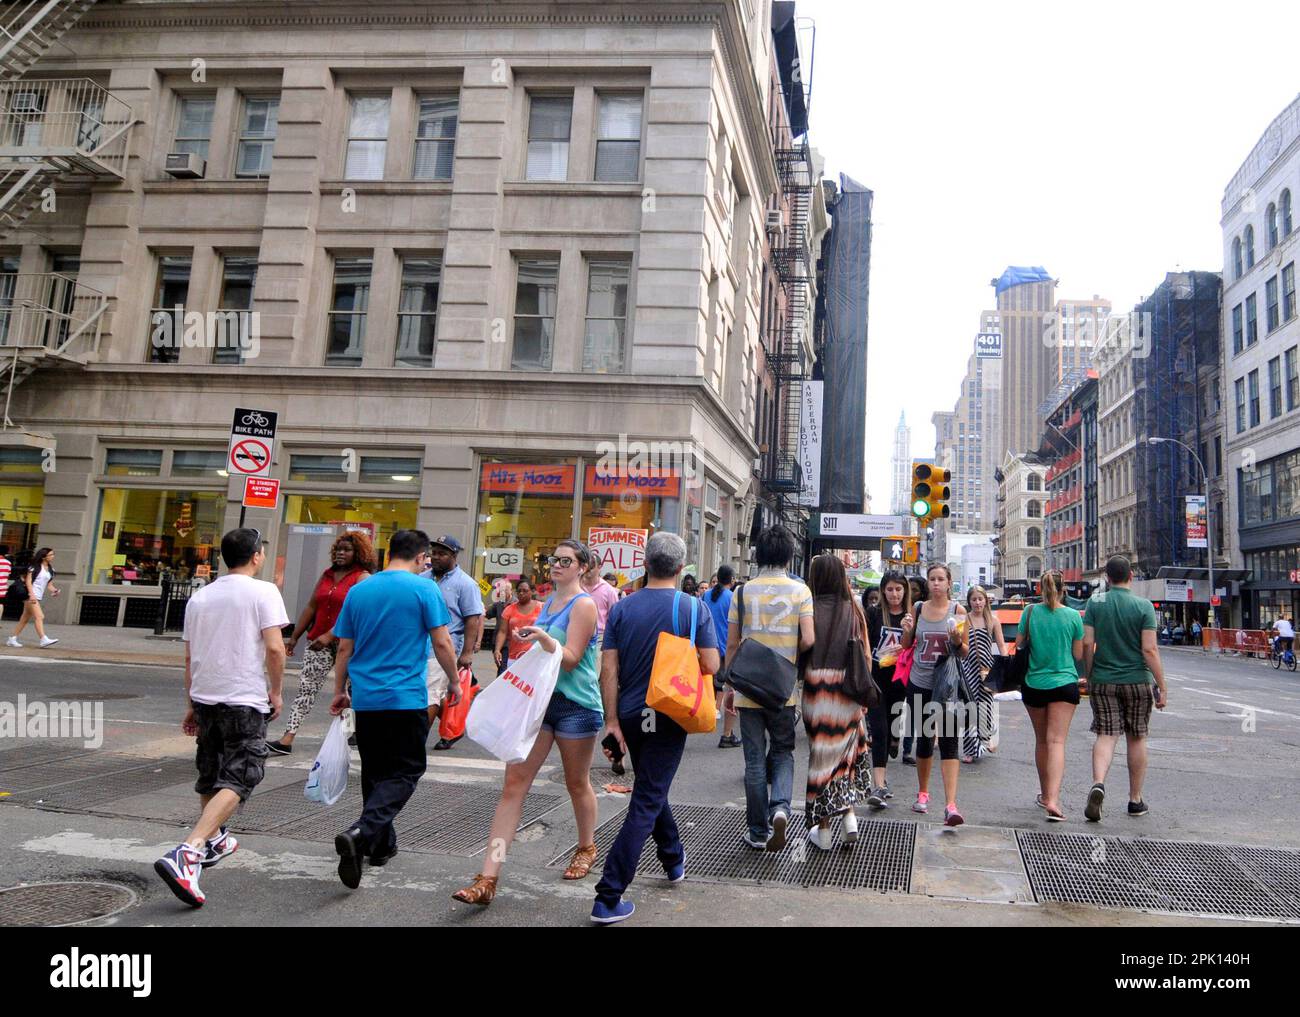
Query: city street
point(1224, 770)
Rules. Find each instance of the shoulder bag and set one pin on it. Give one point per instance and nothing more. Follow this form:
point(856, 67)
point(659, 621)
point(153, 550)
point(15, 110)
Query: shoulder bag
point(758, 672)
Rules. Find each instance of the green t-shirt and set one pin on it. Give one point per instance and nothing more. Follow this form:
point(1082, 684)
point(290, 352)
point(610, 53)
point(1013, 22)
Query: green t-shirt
point(1051, 645)
point(1118, 618)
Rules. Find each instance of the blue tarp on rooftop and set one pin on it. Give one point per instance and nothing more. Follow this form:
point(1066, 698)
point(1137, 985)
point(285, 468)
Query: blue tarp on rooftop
point(1018, 275)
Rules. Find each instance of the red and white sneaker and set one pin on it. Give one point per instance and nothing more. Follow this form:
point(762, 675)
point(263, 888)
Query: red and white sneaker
point(223, 845)
point(180, 870)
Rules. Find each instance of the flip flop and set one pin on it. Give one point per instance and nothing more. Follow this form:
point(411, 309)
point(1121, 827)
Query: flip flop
point(1038, 800)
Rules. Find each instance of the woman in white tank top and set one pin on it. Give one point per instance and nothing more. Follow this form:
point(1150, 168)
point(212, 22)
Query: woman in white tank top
point(38, 577)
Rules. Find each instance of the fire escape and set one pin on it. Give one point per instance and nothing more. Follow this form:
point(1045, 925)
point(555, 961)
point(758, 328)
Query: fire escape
point(53, 131)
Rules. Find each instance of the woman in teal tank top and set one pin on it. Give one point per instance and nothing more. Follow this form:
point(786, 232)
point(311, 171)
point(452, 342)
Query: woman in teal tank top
point(573, 719)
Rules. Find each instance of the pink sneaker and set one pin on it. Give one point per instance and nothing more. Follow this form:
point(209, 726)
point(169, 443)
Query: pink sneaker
point(922, 803)
point(951, 817)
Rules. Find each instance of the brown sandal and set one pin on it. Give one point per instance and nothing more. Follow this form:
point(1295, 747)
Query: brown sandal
point(481, 892)
point(581, 862)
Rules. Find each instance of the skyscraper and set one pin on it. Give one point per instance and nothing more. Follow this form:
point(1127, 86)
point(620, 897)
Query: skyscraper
point(1026, 304)
point(902, 464)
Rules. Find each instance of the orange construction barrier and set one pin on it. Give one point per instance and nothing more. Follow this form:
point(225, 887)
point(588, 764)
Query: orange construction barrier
point(1244, 642)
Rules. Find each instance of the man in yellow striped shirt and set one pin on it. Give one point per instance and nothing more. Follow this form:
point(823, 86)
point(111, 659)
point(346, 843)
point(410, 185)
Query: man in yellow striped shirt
point(778, 614)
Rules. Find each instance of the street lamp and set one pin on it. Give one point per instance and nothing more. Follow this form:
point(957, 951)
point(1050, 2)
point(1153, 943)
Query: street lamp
point(1209, 522)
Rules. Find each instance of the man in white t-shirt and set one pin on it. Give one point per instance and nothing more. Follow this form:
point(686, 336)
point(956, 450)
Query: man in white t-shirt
point(1285, 634)
point(234, 650)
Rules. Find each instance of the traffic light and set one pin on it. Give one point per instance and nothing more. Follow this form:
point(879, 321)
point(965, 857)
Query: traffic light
point(901, 549)
point(929, 492)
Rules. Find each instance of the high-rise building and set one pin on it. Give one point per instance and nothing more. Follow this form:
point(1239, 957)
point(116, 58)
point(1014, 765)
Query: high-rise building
point(1026, 308)
point(902, 468)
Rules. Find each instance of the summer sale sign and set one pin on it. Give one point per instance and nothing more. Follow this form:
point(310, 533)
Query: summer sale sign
point(619, 550)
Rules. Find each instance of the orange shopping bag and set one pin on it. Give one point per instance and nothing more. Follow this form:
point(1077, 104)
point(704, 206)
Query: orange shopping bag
point(677, 688)
point(451, 722)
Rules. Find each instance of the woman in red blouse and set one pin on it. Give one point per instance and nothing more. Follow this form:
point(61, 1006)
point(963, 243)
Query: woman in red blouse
point(353, 560)
point(521, 613)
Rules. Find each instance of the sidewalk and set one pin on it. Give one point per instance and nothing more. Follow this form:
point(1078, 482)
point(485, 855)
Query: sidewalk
point(101, 644)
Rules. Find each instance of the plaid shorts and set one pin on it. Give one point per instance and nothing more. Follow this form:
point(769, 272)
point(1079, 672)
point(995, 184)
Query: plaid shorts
point(1121, 709)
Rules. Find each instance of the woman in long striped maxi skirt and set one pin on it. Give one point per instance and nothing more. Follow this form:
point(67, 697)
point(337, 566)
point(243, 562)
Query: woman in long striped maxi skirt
point(983, 631)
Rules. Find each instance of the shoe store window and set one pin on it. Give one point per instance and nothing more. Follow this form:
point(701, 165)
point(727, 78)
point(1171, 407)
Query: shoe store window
point(22, 495)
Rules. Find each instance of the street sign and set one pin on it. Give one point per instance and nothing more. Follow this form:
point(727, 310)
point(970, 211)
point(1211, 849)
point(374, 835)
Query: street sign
point(260, 492)
point(1017, 588)
point(988, 346)
point(252, 442)
point(1178, 589)
point(1216, 600)
point(854, 525)
point(901, 549)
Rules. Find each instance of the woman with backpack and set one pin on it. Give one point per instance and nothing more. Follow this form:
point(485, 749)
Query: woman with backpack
point(982, 632)
point(935, 634)
point(1054, 635)
point(838, 757)
point(885, 631)
point(37, 577)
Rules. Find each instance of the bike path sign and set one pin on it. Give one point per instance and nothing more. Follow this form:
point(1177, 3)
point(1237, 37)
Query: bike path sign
point(252, 442)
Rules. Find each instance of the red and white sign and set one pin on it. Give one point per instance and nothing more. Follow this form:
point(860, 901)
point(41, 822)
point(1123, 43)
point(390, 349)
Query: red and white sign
point(259, 492)
point(619, 550)
point(252, 440)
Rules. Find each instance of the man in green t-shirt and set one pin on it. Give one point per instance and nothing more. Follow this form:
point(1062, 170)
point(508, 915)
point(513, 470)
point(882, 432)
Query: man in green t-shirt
point(1120, 659)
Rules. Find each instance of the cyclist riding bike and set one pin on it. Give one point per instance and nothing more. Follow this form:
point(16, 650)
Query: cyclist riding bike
point(1283, 641)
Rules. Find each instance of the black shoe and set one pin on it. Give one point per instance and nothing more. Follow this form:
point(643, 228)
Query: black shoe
point(728, 742)
point(1138, 808)
point(385, 858)
point(909, 760)
point(1097, 795)
point(877, 798)
point(444, 744)
point(279, 748)
point(894, 745)
point(348, 845)
point(352, 741)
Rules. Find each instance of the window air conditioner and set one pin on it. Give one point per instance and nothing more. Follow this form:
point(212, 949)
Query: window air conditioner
point(186, 166)
point(26, 102)
point(774, 220)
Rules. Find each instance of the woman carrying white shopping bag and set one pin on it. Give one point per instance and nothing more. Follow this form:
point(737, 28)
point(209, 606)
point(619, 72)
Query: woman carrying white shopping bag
point(574, 716)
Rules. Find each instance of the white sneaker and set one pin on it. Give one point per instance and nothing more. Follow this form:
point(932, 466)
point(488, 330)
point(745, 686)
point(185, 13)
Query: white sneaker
point(47, 641)
point(13, 641)
point(820, 838)
point(850, 827)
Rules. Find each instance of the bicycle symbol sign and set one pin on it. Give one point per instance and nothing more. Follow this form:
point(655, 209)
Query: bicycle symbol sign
point(254, 418)
point(252, 442)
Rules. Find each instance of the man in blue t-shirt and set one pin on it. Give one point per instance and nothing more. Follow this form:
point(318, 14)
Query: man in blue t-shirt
point(384, 632)
point(653, 741)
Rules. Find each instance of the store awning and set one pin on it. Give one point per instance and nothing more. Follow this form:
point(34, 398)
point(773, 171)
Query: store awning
point(1220, 575)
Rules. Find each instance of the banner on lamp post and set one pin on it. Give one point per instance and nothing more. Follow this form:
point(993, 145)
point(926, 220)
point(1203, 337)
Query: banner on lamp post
point(1197, 524)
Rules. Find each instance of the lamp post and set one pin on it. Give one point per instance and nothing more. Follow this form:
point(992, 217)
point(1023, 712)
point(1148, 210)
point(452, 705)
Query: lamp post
point(1209, 527)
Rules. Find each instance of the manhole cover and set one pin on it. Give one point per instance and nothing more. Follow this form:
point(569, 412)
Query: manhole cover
point(55, 904)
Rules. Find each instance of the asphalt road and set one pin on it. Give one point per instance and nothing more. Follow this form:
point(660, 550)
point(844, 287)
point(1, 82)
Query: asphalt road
point(1224, 768)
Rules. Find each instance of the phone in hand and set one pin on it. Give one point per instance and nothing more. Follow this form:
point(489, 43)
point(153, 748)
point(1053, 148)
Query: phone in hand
point(615, 750)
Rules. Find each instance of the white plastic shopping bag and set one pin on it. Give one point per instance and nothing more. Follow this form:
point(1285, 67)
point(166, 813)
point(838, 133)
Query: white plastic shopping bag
point(329, 774)
point(507, 715)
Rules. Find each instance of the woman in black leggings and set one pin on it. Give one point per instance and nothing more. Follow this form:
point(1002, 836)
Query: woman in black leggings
point(885, 630)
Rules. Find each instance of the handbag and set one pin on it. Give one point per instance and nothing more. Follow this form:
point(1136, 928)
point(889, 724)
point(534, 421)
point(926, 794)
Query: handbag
point(758, 672)
point(451, 721)
point(1014, 671)
point(677, 687)
point(859, 685)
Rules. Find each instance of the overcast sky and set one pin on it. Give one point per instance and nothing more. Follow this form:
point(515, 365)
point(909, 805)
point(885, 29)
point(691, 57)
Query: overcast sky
point(1094, 139)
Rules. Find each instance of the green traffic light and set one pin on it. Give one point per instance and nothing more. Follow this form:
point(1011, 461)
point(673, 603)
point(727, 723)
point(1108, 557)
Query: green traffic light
point(920, 508)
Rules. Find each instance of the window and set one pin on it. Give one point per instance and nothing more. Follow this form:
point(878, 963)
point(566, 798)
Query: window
point(1286, 213)
point(142, 534)
point(535, 296)
point(1252, 322)
point(1034, 509)
point(257, 137)
point(1257, 495)
point(329, 469)
point(1252, 382)
point(194, 124)
point(1241, 404)
point(1034, 567)
point(618, 137)
point(417, 313)
point(198, 463)
point(1270, 304)
point(236, 309)
point(347, 317)
point(1035, 482)
point(367, 138)
point(1292, 379)
point(1250, 247)
point(549, 120)
point(133, 462)
point(1275, 387)
point(604, 348)
point(1236, 257)
point(1237, 343)
point(435, 137)
point(1218, 456)
point(1270, 220)
point(168, 318)
point(1288, 292)
point(390, 470)
point(1034, 537)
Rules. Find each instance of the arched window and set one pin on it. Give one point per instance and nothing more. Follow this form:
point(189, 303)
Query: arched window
point(1236, 257)
point(1250, 247)
point(1034, 568)
point(1270, 221)
point(1035, 482)
point(1286, 213)
point(1034, 509)
point(1034, 537)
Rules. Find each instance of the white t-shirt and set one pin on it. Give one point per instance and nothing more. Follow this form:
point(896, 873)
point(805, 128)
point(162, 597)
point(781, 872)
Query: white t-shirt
point(1284, 629)
point(223, 626)
point(39, 582)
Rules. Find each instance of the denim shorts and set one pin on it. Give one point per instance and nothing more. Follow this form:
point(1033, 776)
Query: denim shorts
point(567, 719)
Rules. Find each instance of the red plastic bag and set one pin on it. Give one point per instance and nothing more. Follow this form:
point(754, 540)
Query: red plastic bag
point(451, 722)
point(903, 666)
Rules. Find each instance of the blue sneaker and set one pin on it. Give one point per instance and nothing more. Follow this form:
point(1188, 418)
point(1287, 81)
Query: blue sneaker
point(677, 873)
point(601, 914)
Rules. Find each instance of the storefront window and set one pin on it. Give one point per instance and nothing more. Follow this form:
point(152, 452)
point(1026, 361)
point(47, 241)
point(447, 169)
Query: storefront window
point(387, 470)
point(379, 517)
point(525, 508)
point(133, 462)
point(21, 460)
point(20, 514)
point(651, 501)
point(326, 468)
point(139, 534)
point(194, 463)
